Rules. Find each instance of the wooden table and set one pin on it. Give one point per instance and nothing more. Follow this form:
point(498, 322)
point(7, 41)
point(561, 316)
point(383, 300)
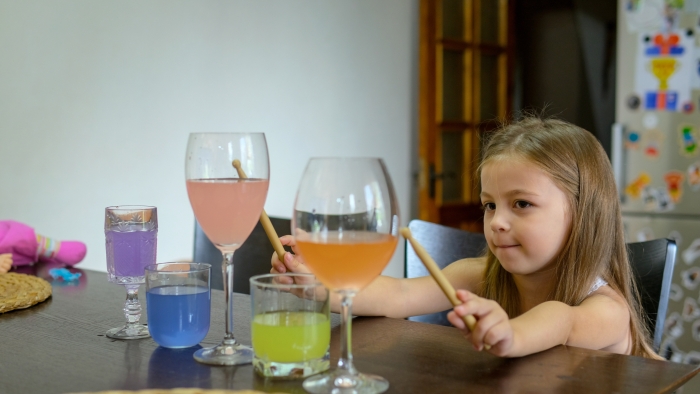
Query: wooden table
point(59, 346)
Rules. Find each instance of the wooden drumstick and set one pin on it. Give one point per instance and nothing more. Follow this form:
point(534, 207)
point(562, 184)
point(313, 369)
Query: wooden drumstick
point(439, 277)
point(264, 219)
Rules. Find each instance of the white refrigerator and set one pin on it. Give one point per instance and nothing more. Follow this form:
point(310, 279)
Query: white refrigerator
point(656, 153)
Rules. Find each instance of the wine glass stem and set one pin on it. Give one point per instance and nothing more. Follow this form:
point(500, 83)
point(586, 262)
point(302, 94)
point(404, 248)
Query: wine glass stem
point(227, 268)
point(345, 360)
point(132, 306)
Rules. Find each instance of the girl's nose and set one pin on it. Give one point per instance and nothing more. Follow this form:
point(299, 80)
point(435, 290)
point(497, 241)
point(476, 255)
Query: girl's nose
point(499, 221)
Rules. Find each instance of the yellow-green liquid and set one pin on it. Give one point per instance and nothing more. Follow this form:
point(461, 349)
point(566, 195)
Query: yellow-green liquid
point(287, 337)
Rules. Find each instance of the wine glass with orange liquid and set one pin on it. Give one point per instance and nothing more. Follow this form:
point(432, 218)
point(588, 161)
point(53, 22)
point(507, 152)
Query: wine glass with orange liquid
point(346, 224)
point(227, 207)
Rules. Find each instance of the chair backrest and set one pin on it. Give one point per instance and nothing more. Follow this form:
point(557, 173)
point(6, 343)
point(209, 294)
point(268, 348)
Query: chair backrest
point(252, 258)
point(652, 263)
point(445, 245)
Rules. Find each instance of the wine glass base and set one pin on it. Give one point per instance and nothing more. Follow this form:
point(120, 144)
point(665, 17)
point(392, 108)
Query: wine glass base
point(223, 354)
point(133, 331)
point(339, 382)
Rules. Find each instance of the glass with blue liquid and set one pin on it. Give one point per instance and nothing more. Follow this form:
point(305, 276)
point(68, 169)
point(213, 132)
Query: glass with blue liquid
point(178, 296)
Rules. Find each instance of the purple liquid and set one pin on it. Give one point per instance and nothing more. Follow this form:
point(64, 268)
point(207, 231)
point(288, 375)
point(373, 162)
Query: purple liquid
point(128, 253)
point(178, 316)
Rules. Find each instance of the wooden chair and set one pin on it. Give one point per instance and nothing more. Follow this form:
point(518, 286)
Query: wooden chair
point(252, 258)
point(652, 264)
point(445, 245)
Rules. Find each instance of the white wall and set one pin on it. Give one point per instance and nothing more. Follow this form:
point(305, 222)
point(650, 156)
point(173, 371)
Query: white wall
point(97, 99)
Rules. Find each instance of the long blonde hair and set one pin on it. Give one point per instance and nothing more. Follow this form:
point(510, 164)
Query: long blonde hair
point(578, 165)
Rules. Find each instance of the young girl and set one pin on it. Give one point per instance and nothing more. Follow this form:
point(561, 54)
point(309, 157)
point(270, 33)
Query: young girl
point(556, 269)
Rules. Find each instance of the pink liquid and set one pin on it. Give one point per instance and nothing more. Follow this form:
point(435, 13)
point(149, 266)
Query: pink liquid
point(227, 209)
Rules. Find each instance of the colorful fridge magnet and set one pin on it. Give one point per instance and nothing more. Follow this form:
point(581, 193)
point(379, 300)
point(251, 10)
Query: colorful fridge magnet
point(664, 70)
point(691, 278)
point(688, 107)
point(674, 325)
point(690, 309)
point(694, 176)
point(688, 140)
point(692, 253)
point(674, 185)
point(653, 140)
point(632, 139)
point(634, 189)
point(676, 292)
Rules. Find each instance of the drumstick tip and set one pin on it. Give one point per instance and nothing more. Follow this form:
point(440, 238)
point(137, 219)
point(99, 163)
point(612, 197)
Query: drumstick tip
point(405, 232)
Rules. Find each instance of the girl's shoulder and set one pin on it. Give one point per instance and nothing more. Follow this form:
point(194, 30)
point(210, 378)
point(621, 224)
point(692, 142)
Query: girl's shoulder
point(606, 293)
point(466, 274)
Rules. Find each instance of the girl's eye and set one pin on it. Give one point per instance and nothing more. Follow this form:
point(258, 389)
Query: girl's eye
point(489, 206)
point(522, 204)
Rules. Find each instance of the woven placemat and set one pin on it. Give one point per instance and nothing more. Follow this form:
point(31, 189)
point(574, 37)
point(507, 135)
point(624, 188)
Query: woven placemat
point(178, 391)
point(19, 291)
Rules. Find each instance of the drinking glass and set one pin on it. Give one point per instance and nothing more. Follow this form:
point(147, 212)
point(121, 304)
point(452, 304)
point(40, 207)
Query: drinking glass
point(131, 233)
point(179, 303)
point(291, 327)
point(346, 225)
point(227, 207)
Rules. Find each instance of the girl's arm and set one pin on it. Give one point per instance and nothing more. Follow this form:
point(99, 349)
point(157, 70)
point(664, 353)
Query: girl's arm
point(394, 297)
point(601, 322)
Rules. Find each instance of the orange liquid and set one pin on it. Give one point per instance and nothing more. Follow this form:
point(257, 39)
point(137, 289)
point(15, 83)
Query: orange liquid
point(347, 263)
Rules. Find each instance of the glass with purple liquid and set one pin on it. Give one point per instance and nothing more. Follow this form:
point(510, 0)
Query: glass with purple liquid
point(131, 240)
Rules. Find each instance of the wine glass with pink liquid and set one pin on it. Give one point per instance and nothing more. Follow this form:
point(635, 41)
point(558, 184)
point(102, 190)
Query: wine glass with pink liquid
point(131, 233)
point(346, 223)
point(227, 206)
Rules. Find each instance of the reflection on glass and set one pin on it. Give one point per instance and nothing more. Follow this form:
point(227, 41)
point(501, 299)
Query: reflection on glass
point(452, 157)
point(489, 21)
point(171, 368)
point(452, 85)
point(489, 87)
point(453, 19)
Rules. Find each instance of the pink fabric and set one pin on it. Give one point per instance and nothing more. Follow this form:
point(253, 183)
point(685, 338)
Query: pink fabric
point(21, 240)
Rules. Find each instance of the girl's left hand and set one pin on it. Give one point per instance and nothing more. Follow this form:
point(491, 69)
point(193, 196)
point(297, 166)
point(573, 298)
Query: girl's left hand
point(492, 327)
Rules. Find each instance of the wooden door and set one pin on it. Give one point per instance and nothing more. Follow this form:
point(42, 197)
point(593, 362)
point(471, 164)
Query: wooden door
point(466, 62)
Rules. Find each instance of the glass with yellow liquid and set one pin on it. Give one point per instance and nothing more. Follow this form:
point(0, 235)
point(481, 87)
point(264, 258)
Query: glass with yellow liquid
point(290, 325)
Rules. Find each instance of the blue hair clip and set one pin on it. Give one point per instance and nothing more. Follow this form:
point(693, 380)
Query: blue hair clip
point(64, 274)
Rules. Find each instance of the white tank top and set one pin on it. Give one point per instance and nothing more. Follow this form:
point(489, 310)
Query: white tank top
point(599, 282)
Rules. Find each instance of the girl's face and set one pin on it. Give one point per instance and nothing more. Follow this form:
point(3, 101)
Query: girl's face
point(526, 216)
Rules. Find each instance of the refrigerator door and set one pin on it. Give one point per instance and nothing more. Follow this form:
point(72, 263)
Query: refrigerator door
point(681, 339)
point(655, 184)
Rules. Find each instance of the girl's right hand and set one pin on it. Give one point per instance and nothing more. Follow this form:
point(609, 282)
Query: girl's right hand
point(292, 261)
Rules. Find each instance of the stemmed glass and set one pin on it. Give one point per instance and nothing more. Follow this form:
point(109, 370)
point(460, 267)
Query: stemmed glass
point(227, 208)
point(131, 241)
point(346, 225)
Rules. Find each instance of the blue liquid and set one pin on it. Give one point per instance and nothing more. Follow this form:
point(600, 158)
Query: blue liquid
point(178, 316)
